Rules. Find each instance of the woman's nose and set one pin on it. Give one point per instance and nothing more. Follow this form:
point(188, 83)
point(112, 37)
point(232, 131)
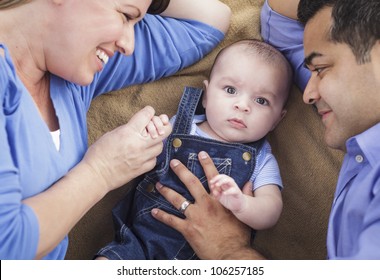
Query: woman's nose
point(126, 43)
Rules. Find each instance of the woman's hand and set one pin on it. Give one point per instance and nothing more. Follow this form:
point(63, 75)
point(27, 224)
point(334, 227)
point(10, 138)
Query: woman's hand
point(129, 150)
point(212, 231)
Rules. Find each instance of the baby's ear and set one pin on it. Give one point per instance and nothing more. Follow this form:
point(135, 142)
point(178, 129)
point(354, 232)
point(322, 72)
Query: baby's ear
point(204, 95)
point(205, 85)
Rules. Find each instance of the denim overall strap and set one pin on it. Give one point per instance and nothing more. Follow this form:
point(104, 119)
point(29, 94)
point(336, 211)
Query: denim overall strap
point(186, 110)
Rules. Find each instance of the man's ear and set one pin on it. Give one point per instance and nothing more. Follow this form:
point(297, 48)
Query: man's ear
point(283, 113)
point(204, 97)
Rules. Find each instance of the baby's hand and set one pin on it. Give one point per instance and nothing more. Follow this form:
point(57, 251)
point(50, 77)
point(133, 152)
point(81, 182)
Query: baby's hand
point(225, 189)
point(156, 126)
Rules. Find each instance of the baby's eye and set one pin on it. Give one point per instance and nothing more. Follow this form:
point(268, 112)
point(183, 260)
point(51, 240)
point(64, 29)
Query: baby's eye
point(230, 90)
point(262, 101)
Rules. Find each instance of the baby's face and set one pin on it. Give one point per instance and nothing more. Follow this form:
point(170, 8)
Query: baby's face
point(244, 98)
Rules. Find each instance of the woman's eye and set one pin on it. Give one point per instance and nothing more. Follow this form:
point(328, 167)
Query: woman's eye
point(262, 101)
point(230, 90)
point(126, 17)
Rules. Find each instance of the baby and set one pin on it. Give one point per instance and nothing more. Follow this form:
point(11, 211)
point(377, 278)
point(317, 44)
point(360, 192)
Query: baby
point(243, 100)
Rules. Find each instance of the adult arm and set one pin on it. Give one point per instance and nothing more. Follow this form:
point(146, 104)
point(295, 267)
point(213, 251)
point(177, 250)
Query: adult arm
point(205, 217)
point(211, 12)
point(280, 28)
point(167, 43)
point(61, 206)
point(287, 8)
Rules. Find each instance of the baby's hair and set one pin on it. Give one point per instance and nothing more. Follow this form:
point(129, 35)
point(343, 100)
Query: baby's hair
point(256, 47)
point(264, 51)
point(11, 3)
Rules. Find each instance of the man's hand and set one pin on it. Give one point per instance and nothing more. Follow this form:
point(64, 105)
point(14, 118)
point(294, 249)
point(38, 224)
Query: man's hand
point(212, 231)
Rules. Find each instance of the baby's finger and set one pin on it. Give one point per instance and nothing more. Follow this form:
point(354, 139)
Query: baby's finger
point(159, 125)
point(141, 119)
point(152, 130)
point(215, 179)
point(230, 191)
point(165, 119)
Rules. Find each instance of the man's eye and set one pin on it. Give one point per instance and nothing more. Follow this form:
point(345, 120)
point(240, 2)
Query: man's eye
point(262, 101)
point(230, 90)
point(318, 70)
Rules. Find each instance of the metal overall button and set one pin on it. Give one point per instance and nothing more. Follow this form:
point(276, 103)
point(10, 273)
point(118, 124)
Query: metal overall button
point(247, 156)
point(177, 143)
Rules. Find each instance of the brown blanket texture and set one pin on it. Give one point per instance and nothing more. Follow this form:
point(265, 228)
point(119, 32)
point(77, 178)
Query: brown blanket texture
point(309, 169)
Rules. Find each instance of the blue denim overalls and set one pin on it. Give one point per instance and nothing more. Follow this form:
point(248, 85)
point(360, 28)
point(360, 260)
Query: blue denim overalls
point(138, 234)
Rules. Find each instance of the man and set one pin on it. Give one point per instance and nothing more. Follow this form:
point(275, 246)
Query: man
point(342, 51)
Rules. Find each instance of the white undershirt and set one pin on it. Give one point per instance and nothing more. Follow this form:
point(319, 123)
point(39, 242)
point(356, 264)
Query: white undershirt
point(56, 138)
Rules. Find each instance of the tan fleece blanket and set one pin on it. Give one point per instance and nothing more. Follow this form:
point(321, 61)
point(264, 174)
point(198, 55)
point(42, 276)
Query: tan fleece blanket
point(309, 169)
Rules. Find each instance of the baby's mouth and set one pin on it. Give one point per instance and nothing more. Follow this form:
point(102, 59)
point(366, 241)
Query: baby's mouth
point(237, 123)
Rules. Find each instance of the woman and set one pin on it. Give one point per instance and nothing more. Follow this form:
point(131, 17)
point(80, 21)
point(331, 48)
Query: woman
point(55, 57)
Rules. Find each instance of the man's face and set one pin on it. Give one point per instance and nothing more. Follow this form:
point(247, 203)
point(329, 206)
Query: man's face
point(347, 95)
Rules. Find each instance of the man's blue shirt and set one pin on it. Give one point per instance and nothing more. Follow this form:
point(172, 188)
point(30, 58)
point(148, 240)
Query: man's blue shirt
point(354, 226)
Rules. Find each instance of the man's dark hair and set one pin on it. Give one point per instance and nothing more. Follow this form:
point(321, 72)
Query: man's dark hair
point(354, 22)
point(357, 24)
point(307, 9)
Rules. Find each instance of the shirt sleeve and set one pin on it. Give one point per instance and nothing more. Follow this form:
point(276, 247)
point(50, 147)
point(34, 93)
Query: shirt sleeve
point(267, 171)
point(163, 46)
point(19, 228)
point(286, 35)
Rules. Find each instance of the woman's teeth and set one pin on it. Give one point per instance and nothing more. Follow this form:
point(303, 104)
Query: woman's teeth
point(102, 56)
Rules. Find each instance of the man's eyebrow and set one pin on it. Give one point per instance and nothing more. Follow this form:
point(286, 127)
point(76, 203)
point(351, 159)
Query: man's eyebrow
point(308, 60)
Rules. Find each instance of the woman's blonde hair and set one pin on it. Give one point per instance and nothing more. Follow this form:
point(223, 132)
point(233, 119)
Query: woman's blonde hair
point(11, 3)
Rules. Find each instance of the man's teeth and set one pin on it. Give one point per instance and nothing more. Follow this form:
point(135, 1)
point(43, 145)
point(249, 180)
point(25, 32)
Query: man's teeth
point(102, 56)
